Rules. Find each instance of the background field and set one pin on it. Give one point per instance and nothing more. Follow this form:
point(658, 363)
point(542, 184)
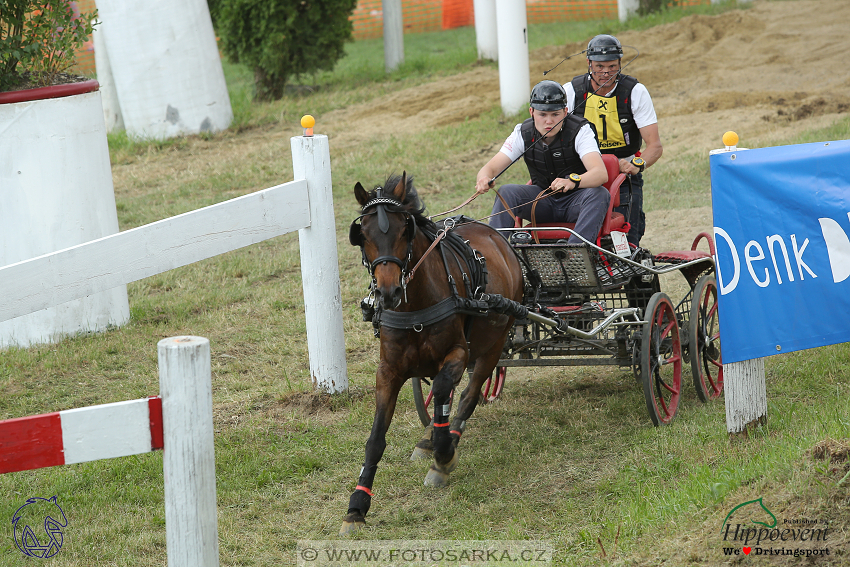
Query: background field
point(568, 455)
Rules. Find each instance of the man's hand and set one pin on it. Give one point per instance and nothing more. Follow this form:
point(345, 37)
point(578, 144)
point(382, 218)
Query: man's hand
point(626, 166)
point(561, 185)
point(483, 184)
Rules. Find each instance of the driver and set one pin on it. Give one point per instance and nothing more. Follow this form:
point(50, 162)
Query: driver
point(622, 111)
point(566, 161)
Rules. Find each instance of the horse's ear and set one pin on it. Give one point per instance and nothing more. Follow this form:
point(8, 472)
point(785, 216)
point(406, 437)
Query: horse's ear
point(361, 194)
point(400, 191)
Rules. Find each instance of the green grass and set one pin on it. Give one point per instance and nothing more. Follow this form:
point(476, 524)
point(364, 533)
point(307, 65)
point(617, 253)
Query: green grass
point(567, 456)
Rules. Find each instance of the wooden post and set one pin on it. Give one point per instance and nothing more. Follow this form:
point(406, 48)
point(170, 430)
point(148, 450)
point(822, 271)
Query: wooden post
point(320, 266)
point(486, 38)
point(746, 395)
point(393, 35)
point(514, 77)
point(191, 524)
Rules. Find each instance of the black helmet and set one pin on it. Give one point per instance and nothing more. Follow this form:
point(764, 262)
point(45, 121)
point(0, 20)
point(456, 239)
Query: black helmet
point(548, 95)
point(604, 48)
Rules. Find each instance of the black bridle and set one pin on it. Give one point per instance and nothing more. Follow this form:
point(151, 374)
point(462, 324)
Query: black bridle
point(355, 236)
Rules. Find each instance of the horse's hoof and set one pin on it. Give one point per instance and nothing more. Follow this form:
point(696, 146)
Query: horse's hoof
point(419, 453)
point(450, 466)
point(349, 528)
point(436, 478)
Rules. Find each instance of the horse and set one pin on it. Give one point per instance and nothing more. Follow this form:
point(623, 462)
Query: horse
point(393, 235)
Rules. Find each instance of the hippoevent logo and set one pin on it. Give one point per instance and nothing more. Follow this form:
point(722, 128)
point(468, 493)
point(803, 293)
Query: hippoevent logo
point(38, 527)
point(750, 528)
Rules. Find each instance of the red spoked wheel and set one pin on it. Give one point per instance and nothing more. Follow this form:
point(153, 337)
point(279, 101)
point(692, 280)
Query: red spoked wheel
point(661, 359)
point(704, 339)
point(493, 386)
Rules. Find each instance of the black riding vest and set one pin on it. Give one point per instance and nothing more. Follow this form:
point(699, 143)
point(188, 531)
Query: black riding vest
point(619, 136)
point(558, 159)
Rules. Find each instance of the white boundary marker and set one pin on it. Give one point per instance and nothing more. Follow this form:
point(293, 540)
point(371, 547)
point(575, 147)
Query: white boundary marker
point(305, 204)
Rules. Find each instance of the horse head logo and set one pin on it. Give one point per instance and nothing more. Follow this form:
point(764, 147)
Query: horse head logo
point(39, 512)
point(754, 509)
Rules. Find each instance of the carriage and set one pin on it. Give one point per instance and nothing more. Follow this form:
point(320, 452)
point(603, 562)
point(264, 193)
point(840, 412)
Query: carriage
point(601, 304)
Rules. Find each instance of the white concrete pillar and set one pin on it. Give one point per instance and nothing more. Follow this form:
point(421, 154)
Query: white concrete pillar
point(626, 9)
point(393, 34)
point(188, 461)
point(486, 38)
point(745, 395)
point(166, 67)
point(514, 74)
point(320, 266)
point(56, 192)
point(111, 105)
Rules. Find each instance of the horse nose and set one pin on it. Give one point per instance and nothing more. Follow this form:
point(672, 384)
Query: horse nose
point(390, 297)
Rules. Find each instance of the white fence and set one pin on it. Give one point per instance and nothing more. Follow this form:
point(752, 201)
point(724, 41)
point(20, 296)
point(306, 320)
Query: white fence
point(305, 204)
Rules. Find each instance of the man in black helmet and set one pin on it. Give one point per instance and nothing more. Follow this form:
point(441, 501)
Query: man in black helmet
point(566, 161)
point(622, 112)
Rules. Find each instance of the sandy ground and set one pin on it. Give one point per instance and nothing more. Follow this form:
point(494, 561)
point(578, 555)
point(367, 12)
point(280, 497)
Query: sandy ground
point(765, 72)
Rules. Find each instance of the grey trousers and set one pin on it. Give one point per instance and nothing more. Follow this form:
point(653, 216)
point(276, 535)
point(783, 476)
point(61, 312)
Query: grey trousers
point(586, 207)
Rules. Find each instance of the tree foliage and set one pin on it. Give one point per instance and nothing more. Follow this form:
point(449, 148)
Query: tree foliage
point(281, 39)
point(39, 38)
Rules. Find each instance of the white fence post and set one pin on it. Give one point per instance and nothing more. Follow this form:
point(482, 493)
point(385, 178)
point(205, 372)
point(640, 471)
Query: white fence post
point(191, 523)
point(486, 38)
point(320, 266)
point(626, 9)
point(393, 34)
point(514, 73)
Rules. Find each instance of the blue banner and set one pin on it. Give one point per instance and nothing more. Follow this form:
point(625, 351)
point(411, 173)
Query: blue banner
point(782, 232)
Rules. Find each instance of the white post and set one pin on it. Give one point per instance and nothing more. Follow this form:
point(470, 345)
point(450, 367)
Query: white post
point(393, 35)
point(746, 395)
point(111, 106)
point(320, 266)
point(514, 77)
point(486, 37)
point(627, 8)
point(191, 524)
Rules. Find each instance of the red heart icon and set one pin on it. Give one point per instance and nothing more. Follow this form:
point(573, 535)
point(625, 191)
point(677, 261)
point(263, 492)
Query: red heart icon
point(747, 550)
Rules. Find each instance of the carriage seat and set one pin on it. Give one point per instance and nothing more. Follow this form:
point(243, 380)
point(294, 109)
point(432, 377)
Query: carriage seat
point(613, 220)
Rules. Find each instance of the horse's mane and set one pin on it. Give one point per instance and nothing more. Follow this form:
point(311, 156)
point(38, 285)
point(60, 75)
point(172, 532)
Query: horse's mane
point(412, 204)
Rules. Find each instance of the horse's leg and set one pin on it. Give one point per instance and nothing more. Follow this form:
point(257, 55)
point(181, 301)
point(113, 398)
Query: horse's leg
point(445, 456)
point(424, 448)
point(388, 386)
point(484, 366)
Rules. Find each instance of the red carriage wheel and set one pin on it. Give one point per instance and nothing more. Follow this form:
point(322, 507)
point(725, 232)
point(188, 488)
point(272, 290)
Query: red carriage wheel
point(661, 359)
point(493, 386)
point(704, 339)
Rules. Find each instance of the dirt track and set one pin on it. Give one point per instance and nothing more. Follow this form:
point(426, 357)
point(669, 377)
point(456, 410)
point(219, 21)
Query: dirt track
point(765, 72)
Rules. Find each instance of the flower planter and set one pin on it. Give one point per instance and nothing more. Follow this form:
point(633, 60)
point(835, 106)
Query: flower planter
point(56, 192)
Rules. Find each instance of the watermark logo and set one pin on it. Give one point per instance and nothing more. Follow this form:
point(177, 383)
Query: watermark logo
point(38, 527)
point(755, 530)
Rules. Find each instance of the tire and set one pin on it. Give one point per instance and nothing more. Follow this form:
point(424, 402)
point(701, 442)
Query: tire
point(661, 360)
point(704, 340)
point(493, 386)
point(421, 401)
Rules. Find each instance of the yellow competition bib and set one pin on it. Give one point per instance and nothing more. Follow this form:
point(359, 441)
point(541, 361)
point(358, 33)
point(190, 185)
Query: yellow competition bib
point(602, 113)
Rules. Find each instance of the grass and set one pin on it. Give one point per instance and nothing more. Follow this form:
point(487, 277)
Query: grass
point(567, 456)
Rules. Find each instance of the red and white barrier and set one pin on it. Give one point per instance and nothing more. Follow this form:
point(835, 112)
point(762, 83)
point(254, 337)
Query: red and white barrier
point(179, 421)
point(80, 435)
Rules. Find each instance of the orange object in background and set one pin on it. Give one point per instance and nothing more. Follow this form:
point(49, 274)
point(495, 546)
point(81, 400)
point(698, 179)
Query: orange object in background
point(457, 14)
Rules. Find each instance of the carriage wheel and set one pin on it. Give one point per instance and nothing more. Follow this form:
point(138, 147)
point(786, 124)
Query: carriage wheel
point(494, 384)
point(661, 360)
point(422, 401)
point(706, 365)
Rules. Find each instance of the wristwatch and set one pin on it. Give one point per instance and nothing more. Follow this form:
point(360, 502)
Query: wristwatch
point(639, 163)
point(575, 178)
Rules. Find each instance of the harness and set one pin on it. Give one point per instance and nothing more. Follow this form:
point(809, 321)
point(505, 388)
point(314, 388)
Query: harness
point(472, 265)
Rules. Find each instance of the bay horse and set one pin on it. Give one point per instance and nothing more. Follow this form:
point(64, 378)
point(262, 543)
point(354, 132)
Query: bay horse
point(411, 282)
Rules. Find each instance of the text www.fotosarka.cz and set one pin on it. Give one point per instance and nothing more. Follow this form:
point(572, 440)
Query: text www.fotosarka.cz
point(413, 553)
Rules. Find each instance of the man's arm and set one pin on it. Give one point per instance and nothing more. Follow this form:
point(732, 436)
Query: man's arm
point(650, 154)
point(492, 168)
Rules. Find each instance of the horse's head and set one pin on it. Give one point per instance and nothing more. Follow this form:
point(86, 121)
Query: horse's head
point(385, 234)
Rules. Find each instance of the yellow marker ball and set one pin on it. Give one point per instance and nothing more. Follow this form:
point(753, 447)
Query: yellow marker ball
point(730, 138)
point(307, 121)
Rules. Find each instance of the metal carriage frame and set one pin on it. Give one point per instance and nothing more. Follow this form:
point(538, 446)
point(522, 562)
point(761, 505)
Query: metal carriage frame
point(588, 306)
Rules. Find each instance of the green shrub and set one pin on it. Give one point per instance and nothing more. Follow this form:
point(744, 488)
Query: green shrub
point(38, 40)
point(279, 39)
